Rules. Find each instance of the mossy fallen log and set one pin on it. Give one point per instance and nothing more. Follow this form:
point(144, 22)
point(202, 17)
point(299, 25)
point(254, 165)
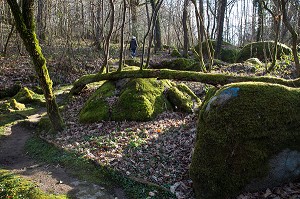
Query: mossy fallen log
point(207, 78)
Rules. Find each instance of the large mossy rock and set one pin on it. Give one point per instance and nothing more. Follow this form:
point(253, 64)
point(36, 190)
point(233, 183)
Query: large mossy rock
point(97, 106)
point(248, 139)
point(177, 64)
point(262, 50)
point(136, 100)
point(26, 96)
point(141, 100)
point(132, 100)
point(183, 98)
point(229, 52)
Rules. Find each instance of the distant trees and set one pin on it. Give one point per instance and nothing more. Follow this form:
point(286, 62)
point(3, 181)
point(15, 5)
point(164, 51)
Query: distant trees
point(88, 22)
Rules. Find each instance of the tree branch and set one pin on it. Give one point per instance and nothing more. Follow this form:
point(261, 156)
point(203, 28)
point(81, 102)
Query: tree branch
point(207, 78)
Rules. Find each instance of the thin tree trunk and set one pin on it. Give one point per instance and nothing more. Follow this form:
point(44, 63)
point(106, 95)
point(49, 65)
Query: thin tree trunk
point(8, 38)
point(122, 37)
point(221, 17)
point(288, 25)
point(107, 40)
point(25, 25)
point(185, 29)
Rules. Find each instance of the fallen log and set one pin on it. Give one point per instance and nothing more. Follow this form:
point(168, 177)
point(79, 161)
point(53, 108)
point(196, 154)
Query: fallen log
point(214, 79)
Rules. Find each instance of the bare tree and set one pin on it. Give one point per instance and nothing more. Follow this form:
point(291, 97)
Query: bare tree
point(185, 28)
point(122, 37)
point(221, 17)
point(294, 34)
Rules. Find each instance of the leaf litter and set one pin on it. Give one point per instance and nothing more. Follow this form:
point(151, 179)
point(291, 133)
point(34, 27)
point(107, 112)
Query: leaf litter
point(157, 151)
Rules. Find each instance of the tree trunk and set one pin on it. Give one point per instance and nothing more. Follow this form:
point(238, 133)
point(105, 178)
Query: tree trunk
point(221, 17)
point(207, 78)
point(157, 32)
point(122, 37)
point(134, 6)
point(185, 29)
point(25, 25)
point(40, 21)
point(288, 25)
point(107, 39)
point(8, 38)
point(260, 20)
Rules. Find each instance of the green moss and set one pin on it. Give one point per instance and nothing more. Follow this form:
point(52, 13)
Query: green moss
point(260, 49)
point(179, 64)
point(175, 53)
point(183, 99)
point(16, 105)
point(132, 62)
point(28, 96)
point(97, 107)
point(13, 186)
point(141, 100)
point(229, 52)
point(237, 136)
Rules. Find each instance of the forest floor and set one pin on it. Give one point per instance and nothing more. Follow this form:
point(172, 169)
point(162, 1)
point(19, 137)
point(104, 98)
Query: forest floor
point(50, 178)
point(157, 151)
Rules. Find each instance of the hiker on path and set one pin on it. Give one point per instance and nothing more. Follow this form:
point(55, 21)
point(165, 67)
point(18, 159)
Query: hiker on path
point(133, 46)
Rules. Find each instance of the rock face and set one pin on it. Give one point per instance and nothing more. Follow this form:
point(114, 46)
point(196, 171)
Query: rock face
point(262, 50)
point(135, 100)
point(248, 139)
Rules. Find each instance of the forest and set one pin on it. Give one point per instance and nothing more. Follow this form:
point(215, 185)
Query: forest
point(150, 99)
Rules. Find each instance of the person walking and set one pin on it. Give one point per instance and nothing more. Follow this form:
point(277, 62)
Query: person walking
point(133, 46)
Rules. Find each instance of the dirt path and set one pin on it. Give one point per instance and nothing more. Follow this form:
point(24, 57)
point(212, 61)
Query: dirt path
point(49, 178)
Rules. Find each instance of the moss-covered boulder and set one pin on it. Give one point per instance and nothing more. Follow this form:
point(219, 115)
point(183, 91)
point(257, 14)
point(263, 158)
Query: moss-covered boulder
point(26, 95)
point(141, 100)
point(136, 100)
point(175, 53)
point(97, 106)
point(263, 50)
point(229, 52)
point(248, 139)
point(183, 98)
point(132, 100)
point(132, 62)
point(177, 64)
point(254, 61)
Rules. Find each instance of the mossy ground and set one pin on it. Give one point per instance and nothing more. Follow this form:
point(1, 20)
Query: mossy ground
point(235, 139)
point(13, 186)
